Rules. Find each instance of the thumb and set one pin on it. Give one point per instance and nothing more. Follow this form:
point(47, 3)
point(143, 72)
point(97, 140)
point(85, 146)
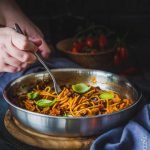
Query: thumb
point(21, 42)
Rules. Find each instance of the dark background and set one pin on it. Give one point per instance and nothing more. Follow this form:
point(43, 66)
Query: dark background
point(59, 19)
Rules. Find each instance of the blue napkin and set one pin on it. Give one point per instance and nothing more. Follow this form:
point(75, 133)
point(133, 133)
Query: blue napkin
point(135, 135)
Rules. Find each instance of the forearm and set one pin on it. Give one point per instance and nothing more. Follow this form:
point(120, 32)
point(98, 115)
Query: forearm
point(2, 18)
point(9, 12)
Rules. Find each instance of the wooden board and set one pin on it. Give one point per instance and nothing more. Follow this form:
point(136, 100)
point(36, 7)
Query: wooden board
point(33, 138)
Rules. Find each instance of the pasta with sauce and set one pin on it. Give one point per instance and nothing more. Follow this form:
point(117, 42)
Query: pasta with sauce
point(73, 101)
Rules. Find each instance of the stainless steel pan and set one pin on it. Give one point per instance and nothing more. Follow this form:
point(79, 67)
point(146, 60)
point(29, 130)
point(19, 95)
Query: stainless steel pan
point(72, 126)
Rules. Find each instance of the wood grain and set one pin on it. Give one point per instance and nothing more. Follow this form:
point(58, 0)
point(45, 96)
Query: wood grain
point(33, 138)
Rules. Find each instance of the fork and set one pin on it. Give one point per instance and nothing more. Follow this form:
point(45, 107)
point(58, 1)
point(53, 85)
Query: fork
point(56, 86)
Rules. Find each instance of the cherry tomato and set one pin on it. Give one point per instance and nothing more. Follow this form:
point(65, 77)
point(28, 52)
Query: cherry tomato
point(122, 52)
point(74, 50)
point(117, 60)
point(78, 45)
point(89, 42)
point(102, 41)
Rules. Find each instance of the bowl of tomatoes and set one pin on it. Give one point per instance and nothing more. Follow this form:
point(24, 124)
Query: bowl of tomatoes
point(94, 47)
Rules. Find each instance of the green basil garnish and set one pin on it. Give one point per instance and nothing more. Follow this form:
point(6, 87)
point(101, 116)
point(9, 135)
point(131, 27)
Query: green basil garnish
point(106, 96)
point(65, 115)
point(45, 102)
point(80, 88)
point(33, 95)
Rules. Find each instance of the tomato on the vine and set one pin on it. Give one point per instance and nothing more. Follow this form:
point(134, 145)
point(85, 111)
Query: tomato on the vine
point(117, 60)
point(74, 50)
point(78, 45)
point(102, 41)
point(122, 52)
point(89, 42)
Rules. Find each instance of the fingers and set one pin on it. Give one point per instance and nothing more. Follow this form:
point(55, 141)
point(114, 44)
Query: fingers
point(21, 42)
point(16, 51)
point(45, 50)
point(35, 35)
point(8, 60)
point(11, 64)
point(11, 61)
point(36, 41)
point(8, 63)
point(42, 46)
point(22, 56)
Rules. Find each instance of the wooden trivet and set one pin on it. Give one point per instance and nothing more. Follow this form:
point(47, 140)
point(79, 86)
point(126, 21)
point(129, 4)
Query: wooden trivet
point(30, 137)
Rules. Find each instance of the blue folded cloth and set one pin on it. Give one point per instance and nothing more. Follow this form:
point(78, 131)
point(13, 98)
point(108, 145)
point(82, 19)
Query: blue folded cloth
point(135, 135)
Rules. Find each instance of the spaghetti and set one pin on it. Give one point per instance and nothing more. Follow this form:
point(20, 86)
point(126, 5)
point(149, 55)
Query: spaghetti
point(43, 99)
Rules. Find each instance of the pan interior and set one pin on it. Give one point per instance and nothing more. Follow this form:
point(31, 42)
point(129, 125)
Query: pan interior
point(104, 80)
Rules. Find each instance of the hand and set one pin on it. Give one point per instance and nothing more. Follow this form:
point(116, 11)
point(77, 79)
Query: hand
point(15, 15)
point(16, 51)
point(35, 35)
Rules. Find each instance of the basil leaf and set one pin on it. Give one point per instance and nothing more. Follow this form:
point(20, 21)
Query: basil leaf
point(106, 96)
point(33, 95)
point(45, 102)
point(65, 115)
point(80, 88)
